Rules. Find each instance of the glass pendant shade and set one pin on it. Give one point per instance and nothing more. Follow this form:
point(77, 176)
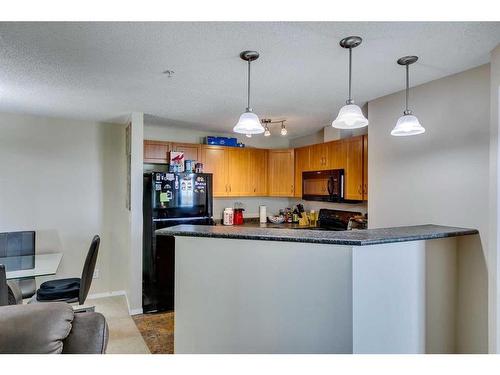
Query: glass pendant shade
point(267, 132)
point(283, 131)
point(407, 125)
point(350, 117)
point(248, 123)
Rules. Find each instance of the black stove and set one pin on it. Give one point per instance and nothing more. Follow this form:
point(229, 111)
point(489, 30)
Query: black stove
point(335, 219)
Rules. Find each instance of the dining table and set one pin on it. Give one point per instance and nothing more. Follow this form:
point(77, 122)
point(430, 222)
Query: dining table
point(28, 266)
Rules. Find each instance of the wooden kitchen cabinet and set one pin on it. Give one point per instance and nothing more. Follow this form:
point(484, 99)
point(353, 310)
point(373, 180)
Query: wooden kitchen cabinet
point(192, 151)
point(302, 164)
point(238, 180)
point(156, 152)
point(258, 172)
point(319, 156)
point(353, 172)
point(281, 173)
point(365, 167)
point(335, 158)
point(215, 160)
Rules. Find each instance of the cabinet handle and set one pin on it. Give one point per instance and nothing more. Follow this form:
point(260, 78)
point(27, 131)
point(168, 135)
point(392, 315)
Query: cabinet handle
point(226, 188)
point(229, 187)
point(292, 188)
point(359, 189)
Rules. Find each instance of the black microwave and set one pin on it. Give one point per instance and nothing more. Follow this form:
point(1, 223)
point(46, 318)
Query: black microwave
point(324, 186)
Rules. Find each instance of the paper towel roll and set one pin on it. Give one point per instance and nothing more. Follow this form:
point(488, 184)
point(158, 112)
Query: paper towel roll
point(262, 214)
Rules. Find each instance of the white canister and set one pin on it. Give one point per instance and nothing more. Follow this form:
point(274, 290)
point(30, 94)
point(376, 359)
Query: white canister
point(263, 214)
point(228, 216)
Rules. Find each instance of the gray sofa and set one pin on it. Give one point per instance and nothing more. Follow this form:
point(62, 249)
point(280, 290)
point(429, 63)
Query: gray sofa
point(51, 327)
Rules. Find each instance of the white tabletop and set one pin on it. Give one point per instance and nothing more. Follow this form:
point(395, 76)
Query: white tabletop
point(45, 264)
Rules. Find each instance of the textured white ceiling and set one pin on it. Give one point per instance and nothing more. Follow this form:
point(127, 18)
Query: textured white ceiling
point(103, 71)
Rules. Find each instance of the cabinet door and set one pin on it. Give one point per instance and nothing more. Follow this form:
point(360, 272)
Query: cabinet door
point(156, 152)
point(334, 159)
point(281, 173)
point(319, 157)
point(258, 171)
point(239, 182)
point(302, 163)
point(215, 161)
point(353, 148)
point(365, 167)
point(191, 151)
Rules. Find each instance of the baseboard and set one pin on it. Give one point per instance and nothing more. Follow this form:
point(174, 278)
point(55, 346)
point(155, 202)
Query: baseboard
point(132, 311)
point(107, 294)
point(113, 294)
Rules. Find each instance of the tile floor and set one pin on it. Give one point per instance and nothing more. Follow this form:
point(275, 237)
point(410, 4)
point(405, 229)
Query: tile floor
point(124, 337)
point(157, 330)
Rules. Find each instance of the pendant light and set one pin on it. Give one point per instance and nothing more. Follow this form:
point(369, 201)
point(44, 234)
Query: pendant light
point(407, 124)
point(249, 122)
point(350, 115)
point(283, 131)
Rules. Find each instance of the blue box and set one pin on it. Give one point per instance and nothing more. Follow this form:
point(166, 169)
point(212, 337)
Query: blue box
point(222, 141)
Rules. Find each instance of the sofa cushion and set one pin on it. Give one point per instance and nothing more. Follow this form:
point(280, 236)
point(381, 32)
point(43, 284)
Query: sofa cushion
point(35, 328)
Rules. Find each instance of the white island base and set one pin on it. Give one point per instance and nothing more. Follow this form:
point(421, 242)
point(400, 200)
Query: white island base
point(253, 296)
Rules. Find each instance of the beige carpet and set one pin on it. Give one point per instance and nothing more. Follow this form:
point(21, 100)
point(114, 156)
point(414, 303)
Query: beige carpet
point(124, 337)
point(158, 331)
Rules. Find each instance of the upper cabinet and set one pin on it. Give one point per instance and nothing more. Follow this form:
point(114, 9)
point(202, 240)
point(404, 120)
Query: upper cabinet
point(318, 158)
point(353, 171)
point(365, 167)
point(239, 172)
point(281, 173)
point(215, 160)
point(156, 152)
point(302, 164)
point(259, 172)
point(191, 151)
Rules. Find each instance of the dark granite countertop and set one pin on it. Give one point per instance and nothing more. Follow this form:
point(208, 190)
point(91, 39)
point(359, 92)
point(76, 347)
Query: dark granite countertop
point(351, 237)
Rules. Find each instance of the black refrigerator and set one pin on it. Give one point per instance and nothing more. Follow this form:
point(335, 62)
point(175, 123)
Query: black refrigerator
point(169, 199)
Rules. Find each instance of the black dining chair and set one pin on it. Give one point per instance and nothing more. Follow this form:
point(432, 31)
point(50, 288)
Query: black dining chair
point(72, 289)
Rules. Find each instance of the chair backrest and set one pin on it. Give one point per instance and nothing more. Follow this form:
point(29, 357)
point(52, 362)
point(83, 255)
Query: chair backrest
point(4, 289)
point(88, 269)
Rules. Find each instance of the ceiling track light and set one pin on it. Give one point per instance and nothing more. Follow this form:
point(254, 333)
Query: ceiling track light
point(249, 122)
point(283, 131)
point(350, 115)
point(266, 122)
point(407, 124)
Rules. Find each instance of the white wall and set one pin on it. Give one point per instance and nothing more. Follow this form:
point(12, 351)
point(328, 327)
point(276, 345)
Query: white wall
point(441, 176)
point(64, 179)
point(494, 247)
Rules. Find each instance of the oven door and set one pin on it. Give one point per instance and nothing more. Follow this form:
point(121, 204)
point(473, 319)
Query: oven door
point(324, 186)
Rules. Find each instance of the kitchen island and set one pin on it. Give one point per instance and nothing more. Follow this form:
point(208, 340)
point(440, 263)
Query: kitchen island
point(267, 290)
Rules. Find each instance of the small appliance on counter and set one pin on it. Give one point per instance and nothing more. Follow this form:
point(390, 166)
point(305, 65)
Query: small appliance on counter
point(238, 213)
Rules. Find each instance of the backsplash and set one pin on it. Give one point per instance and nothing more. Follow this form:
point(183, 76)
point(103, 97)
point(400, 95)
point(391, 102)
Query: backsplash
point(274, 204)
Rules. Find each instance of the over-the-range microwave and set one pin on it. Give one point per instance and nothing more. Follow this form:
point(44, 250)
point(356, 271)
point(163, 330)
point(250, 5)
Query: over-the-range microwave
point(324, 186)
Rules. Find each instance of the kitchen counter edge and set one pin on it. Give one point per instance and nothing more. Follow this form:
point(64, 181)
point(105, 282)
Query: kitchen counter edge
point(352, 238)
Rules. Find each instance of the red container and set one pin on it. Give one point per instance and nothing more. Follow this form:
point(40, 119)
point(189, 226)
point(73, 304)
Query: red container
point(238, 216)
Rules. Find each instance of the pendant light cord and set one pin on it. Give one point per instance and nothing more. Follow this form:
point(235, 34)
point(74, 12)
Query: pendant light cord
point(349, 101)
point(407, 86)
point(248, 93)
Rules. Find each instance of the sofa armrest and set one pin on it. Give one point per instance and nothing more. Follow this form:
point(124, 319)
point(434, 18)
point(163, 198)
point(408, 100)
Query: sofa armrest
point(15, 293)
point(89, 334)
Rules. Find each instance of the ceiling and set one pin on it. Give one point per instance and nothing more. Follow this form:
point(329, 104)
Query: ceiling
point(104, 71)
